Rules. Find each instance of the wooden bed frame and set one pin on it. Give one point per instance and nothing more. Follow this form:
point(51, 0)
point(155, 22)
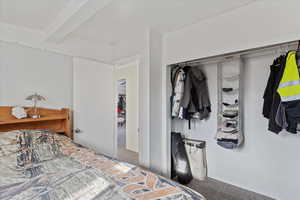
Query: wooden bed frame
point(51, 119)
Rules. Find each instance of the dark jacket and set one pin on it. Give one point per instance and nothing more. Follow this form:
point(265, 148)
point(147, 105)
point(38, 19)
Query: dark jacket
point(292, 111)
point(281, 115)
point(275, 69)
point(195, 98)
point(278, 69)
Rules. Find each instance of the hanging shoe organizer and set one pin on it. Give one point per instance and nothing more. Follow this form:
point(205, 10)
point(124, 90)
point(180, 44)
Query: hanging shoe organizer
point(230, 112)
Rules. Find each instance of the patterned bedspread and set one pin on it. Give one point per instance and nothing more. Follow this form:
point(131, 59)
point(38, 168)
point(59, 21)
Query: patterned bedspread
point(38, 165)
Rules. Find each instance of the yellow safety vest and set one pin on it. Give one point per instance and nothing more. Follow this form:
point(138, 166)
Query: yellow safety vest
point(289, 86)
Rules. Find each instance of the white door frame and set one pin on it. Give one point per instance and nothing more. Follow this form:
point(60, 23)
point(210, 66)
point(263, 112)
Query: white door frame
point(166, 121)
point(120, 64)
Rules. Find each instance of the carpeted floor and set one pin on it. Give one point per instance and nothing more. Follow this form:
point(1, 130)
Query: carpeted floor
point(128, 156)
point(210, 188)
point(216, 190)
point(123, 153)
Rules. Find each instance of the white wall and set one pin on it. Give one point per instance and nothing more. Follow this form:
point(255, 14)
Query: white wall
point(155, 45)
point(24, 71)
point(268, 163)
point(144, 107)
point(261, 23)
point(130, 74)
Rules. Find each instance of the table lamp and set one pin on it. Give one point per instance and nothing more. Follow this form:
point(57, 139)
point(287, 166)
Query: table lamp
point(35, 98)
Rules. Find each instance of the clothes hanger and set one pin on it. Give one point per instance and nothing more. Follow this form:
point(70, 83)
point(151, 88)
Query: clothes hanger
point(298, 48)
point(298, 54)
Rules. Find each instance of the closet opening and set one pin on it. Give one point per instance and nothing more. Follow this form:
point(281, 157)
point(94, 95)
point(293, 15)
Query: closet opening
point(212, 66)
point(237, 82)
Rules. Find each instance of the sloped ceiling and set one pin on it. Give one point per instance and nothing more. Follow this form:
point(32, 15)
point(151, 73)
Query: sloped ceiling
point(33, 14)
point(125, 18)
point(109, 23)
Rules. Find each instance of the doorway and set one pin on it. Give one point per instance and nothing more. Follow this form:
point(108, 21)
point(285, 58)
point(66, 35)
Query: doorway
point(127, 114)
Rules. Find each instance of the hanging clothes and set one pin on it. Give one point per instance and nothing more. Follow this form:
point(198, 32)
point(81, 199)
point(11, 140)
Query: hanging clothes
point(121, 104)
point(289, 86)
point(271, 97)
point(275, 70)
point(178, 91)
point(190, 98)
point(196, 98)
point(282, 94)
point(288, 115)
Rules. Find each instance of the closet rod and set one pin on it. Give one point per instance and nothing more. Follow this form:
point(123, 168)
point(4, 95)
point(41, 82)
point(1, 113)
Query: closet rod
point(242, 53)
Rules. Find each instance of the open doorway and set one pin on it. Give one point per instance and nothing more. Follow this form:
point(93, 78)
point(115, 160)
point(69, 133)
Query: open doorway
point(127, 114)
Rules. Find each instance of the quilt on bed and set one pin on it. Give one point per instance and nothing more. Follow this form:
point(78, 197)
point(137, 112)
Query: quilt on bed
point(42, 165)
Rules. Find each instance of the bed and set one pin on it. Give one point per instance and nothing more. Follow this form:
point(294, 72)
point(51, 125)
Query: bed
point(43, 165)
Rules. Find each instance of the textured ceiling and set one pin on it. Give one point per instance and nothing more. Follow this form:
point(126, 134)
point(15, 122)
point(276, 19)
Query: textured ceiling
point(32, 14)
point(125, 19)
point(118, 25)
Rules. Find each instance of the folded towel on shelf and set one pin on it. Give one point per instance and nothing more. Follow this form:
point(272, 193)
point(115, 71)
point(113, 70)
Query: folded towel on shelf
point(230, 114)
point(227, 89)
point(221, 135)
point(229, 130)
point(230, 90)
point(18, 112)
point(228, 105)
point(230, 123)
point(228, 143)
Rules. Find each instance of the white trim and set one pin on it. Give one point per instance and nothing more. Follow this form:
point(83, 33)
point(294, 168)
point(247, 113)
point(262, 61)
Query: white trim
point(166, 123)
point(166, 117)
point(115, 137)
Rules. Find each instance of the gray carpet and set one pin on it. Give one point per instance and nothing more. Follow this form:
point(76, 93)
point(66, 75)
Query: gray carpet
point(126, 155)
point(216, 190)
point(123, 153)
point(210, 188)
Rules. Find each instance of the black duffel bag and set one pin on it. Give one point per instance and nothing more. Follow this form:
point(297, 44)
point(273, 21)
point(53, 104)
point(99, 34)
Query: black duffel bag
point(180, 164)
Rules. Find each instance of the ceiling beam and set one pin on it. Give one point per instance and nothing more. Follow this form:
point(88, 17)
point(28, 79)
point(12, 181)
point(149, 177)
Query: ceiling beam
point(72, 16)
point(74, 47)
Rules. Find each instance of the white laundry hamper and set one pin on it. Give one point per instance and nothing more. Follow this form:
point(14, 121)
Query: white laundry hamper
point(196, 151)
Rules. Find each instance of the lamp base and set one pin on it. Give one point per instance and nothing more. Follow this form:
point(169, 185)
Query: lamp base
point(35, 116)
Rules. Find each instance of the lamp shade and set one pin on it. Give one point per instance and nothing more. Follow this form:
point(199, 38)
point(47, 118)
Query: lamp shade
point(35, 97)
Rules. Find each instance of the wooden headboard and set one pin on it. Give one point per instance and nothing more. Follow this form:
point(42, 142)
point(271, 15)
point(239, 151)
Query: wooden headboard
point(51, 119)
